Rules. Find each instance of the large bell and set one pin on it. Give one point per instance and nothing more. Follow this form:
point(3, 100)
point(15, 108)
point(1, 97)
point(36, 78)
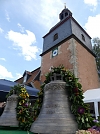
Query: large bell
point(8, 118)
point(55, 116)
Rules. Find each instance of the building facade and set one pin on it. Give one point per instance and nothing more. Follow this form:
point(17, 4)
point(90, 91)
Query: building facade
point(68, 44)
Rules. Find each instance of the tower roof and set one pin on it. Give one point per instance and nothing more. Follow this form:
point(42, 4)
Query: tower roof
point(65, 13)
point(66, 28)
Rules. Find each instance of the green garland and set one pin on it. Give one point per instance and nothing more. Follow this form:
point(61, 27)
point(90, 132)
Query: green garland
point(75, 93)
point(24, 109)
point(26, 115)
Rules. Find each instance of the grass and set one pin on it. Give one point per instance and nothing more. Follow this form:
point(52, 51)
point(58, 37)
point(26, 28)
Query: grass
point(13, 130)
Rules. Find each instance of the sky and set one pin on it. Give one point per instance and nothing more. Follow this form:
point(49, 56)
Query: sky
point(23, 23)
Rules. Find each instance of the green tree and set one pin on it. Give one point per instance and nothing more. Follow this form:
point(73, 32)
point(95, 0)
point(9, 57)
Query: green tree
point(96, 50)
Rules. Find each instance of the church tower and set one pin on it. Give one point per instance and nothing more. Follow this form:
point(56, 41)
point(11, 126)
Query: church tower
point(68, 44)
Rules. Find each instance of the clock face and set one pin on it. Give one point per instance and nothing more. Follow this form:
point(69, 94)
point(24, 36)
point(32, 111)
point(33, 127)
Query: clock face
point(54, 52)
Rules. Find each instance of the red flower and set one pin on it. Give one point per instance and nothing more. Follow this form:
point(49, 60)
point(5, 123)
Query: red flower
point(75, 89)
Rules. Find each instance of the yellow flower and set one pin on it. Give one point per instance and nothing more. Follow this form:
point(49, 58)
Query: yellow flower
point(23, 101)
point(27, 94)
point(19, 103)
point(23, 120)
point(23, 90)
point(63, 69)
point(20, 94)
point(24, 96)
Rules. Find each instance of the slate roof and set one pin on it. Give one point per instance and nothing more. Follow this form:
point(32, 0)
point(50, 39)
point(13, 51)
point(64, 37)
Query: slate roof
point(5, 87)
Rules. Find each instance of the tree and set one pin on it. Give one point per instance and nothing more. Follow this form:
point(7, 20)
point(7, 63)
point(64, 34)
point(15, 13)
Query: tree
point(96, 50)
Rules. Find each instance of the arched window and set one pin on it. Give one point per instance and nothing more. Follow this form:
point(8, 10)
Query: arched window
point(55, 37)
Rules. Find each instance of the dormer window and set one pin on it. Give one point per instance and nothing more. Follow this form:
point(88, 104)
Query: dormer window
point(83, 38)
point(55, 37)
point(25, 78)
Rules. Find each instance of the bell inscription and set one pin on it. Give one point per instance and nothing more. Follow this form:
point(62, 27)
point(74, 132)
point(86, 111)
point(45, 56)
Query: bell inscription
point(55, 116)
point(11, 99)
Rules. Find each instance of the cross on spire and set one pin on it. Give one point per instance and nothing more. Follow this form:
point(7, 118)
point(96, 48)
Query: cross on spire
point(65, 5)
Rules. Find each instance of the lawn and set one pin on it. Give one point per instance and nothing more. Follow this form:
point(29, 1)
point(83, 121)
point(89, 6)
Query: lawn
point(8, 130)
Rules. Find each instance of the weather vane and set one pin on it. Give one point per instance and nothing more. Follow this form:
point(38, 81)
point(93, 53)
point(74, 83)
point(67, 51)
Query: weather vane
point(65, 5)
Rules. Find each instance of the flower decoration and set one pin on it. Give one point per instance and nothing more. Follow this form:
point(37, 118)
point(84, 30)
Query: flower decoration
point(24, 114)
point(75, 90)
point(83, 132)
point(81, 110)
point(75, 95)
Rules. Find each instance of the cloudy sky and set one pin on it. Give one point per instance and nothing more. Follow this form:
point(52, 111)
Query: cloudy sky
point(23, 23)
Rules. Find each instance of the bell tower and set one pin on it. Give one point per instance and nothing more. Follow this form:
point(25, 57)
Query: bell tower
point(68, 44)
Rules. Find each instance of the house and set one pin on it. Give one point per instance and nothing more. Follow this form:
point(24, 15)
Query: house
point(31, 79)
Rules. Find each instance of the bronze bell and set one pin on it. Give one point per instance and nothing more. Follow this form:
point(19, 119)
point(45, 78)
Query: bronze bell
point(55, 116)
point(8, 117)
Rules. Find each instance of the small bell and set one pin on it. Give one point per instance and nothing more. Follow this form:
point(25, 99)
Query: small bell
point(8, 117)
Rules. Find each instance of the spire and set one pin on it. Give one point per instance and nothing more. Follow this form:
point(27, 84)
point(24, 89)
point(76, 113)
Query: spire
point(64, 5)
point(65, 13)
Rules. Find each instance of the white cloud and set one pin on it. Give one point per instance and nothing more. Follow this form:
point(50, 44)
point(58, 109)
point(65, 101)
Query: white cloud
point(93, 26)
point(7, 16)
point(4, 73)
point(1, 30)
point(47, 13)
point(21, 28)
point(50, 11)
point(91, 2)
point(3, 59)
point(24, 42)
